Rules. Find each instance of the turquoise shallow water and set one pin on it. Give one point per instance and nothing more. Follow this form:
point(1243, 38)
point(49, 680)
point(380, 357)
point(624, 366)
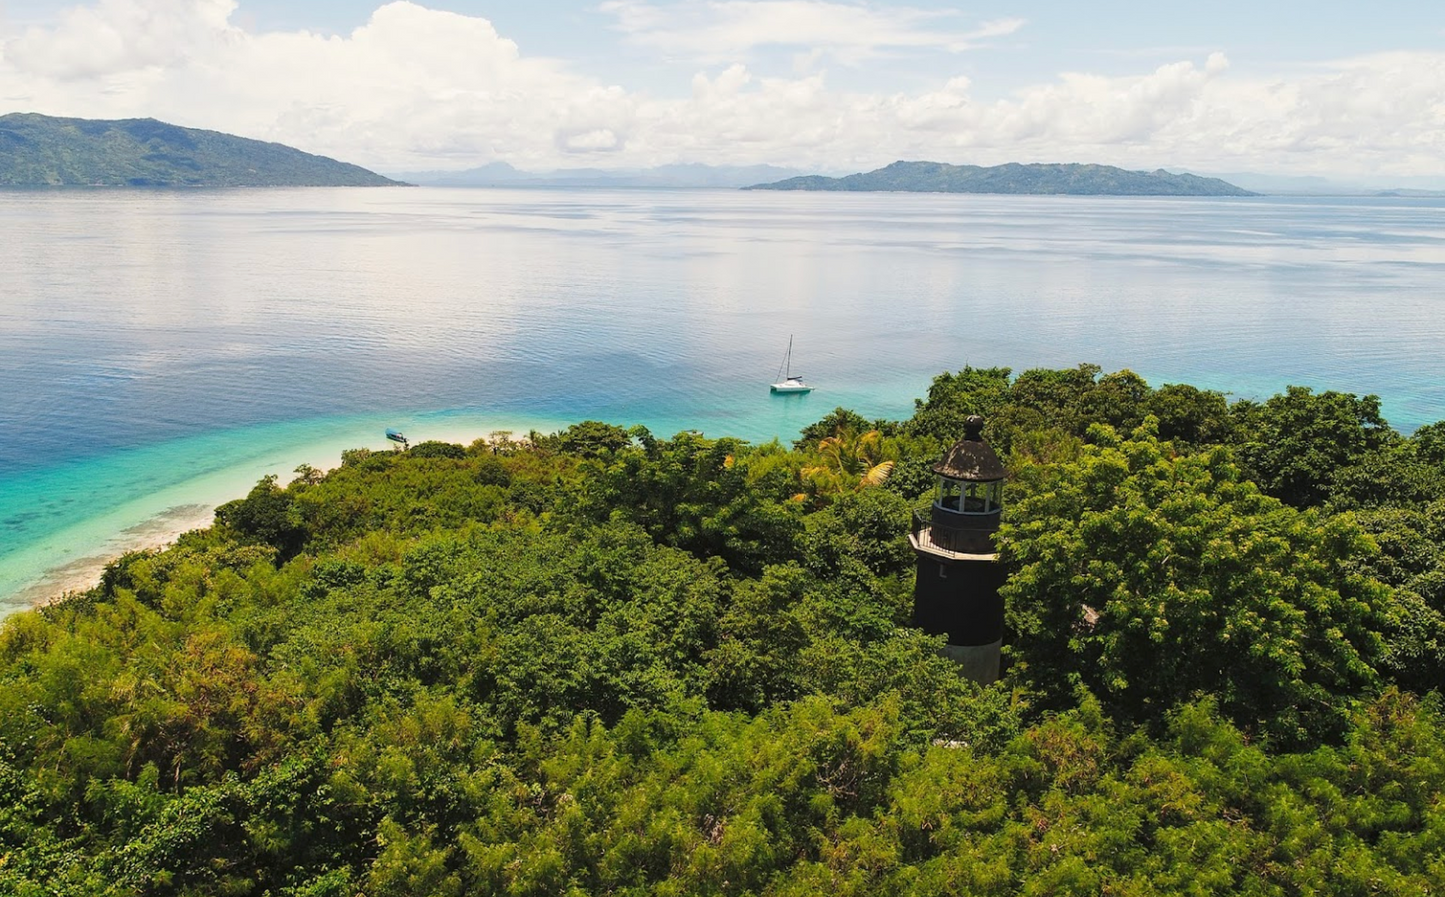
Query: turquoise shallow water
point(161, 351)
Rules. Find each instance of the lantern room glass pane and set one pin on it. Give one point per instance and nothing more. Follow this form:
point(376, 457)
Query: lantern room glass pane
point(975, 500)
point(962, 496)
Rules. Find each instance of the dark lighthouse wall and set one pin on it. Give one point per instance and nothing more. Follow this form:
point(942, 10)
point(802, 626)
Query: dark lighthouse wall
point(959, 599)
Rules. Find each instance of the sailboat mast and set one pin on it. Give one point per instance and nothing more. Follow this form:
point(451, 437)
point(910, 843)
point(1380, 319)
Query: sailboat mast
point(787, 360)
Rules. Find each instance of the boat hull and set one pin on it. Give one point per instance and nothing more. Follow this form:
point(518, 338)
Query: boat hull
point(793, 388)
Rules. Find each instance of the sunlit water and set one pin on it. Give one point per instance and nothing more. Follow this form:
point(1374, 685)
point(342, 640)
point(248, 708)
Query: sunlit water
point(159, 351)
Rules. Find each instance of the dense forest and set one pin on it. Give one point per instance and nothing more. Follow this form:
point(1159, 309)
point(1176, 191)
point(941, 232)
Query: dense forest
point(605, 662)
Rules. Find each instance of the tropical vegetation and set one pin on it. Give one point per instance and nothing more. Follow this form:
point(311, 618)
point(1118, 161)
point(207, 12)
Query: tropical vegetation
point(604, 662)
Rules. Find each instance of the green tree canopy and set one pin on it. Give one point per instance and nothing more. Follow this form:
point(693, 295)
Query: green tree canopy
point(1294, 444)
point(603, 662)
point(1148, 576)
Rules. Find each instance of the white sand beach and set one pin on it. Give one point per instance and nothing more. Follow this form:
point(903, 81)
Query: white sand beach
point(73, 558)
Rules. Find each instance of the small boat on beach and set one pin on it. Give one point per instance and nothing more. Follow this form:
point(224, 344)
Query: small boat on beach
point(788, 382)
point(397, 437)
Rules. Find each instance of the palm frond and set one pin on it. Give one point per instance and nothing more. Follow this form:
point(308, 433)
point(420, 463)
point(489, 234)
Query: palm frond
point(877, 474)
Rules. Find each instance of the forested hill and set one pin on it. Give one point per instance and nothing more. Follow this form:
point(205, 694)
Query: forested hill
point(41, 151)
point(938, 177)
point(604, 662)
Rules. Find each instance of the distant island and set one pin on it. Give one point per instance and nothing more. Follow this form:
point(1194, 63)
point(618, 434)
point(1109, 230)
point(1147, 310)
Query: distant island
point(1047, 179)
point(42, 151)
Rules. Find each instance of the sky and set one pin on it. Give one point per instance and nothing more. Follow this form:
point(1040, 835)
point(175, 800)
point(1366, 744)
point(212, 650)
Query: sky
point(1325, 88)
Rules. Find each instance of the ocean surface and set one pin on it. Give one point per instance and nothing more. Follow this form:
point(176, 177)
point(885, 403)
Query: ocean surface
point(160, 351)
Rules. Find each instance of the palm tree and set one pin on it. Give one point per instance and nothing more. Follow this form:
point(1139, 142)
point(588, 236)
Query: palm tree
point(849, 462)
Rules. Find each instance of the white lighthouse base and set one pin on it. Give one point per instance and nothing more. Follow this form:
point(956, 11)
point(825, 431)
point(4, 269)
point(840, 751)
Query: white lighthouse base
point(977, 662)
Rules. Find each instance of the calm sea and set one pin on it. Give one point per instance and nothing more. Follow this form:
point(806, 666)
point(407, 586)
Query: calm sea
point(159, 351)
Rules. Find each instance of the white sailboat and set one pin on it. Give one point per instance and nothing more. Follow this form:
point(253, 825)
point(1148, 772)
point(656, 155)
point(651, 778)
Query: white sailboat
point(789, 383)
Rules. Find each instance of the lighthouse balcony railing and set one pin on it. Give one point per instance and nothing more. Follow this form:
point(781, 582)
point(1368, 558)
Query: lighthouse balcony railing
point(970, 541)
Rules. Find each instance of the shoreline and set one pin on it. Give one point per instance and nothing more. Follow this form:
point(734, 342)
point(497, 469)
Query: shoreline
point(83, 574)
point(73, 559)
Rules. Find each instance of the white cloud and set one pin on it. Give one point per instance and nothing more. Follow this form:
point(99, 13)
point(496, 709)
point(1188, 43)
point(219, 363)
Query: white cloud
point(418, 88)
point(597, 140)
point(712, 30)
point(120, 35)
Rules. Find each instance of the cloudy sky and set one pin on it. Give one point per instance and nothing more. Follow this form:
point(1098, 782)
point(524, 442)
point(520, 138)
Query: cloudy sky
point(1331, 88)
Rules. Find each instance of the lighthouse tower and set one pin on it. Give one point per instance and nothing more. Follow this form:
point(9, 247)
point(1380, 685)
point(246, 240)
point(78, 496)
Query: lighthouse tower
point(959, 576)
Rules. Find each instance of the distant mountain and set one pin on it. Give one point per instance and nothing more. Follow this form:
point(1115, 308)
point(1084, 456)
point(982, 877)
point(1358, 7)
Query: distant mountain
point(1093, 180)
point(500, 174)
point(1406, 193)
point(41, 151)
point(495, 174)
point(1289, 184)
point(1313, 185)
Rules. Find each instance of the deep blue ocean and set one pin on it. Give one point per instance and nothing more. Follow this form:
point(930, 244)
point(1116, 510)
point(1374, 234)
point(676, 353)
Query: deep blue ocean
point(160, 351)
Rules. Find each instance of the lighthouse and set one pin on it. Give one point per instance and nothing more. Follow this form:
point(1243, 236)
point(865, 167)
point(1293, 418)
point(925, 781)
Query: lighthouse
point(956, 593)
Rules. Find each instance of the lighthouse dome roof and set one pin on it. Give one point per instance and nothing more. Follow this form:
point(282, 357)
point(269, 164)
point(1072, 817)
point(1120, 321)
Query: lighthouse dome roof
point(971, 459)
